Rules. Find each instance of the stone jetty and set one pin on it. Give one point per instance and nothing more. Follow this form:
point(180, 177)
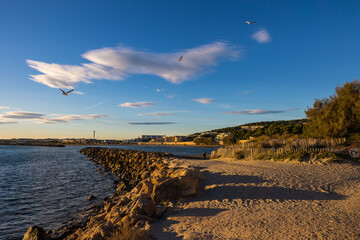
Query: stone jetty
point(146, 185)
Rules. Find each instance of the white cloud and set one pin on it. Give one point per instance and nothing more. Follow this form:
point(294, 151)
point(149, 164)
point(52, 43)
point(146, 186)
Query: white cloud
point(116, 63)
point(204, 100)
point(260, 111)
point(156, 114)
point(77, 92)
point(4, 107)
point(159, 90)
point(262, 36)
point(136, 104)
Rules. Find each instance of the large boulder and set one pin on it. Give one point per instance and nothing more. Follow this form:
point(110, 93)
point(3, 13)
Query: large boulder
point(36, 233)
point(166, 190)
point(143, 206)
point(188, 179)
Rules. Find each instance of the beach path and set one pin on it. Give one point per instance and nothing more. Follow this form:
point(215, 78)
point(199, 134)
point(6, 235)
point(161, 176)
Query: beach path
point(266, 200)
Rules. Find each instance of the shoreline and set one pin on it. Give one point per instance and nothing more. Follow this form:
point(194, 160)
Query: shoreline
point(143, 187)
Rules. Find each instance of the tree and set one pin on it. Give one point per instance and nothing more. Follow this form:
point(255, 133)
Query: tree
point(338, 115)
point(228, 140)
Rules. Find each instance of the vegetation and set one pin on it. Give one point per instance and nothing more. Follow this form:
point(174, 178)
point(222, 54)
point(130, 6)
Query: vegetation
point(304, 155)
point(206, 140)
point(240, 155)
point(126, 232)
point(274, 129)
point(338, 115)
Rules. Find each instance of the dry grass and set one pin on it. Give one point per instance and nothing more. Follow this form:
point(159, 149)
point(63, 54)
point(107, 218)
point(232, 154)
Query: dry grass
point(129, 233)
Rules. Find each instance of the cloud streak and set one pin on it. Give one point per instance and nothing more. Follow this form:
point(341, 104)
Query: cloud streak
point(136, 104)
point(95, 105)
point(8, 122)
point(156, 114)
point(204, 100)
point(260, 111)
point(44, 118)
point(150, 123)
point(23, 115)
point(118, 62)
point(262, 36)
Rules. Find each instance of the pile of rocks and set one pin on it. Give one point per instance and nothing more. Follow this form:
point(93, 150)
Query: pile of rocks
point(155, 183)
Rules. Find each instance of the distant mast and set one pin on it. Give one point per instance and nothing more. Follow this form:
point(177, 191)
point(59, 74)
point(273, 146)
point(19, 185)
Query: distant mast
point(94, 135)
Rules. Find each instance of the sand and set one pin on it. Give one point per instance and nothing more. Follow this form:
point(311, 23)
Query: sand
point(266, 200)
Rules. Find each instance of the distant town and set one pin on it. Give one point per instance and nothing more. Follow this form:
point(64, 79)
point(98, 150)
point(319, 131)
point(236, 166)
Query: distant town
point(189, 140)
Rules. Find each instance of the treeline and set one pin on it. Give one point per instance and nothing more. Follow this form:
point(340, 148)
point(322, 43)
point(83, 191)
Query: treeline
point(337, 116)
point(272, 129)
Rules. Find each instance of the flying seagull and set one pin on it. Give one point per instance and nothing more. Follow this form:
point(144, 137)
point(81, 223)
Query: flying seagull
point(249, 22)
point(66, 93)
point(180, 59)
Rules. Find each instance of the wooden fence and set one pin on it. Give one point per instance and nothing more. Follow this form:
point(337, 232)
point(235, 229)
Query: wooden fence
point(280, 146)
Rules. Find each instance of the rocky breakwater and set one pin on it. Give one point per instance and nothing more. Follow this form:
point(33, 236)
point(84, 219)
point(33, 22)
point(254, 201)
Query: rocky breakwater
point(146, 185)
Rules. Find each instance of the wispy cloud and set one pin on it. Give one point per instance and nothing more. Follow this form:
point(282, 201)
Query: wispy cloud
point(4, 107)
point(150, 123)
point(159, 90)
point(8, 122)
point(95, 105)
point(22, 115)
point(156, 114)
point(45, 118)
point(262, 36)
point(77, 92)
point(260, 111)
point(68, 118)
point(137, 104)
point(118, 62)
point(171, 96)
point(204, 100)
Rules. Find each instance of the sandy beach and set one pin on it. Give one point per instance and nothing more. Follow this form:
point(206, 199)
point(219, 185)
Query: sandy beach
point(266, 200)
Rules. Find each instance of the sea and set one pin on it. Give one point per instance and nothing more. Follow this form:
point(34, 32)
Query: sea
point(49, 186)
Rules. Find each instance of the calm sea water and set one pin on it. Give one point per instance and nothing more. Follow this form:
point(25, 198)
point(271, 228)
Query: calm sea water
point(49, 186)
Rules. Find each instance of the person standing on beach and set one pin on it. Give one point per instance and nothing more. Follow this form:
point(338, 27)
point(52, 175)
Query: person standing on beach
point(204, 155)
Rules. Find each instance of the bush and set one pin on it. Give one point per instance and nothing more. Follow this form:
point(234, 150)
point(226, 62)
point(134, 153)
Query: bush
point(338, 115)
point(229, 140)
point(128, 233)
point(239, 155)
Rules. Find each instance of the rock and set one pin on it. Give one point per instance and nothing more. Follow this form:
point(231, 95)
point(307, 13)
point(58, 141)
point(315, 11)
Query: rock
point(143, 225)
point(188, 180)
point(143, 206)
point(132, 219)
point(159, 211)
point(166, 190)
point(36, 233)
point(121, 187)
point(91, 197)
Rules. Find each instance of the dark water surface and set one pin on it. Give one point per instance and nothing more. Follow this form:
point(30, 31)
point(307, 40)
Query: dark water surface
point(49, 186)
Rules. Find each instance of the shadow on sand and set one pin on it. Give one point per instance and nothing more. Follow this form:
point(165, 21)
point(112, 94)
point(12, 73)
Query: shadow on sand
point(220, 192)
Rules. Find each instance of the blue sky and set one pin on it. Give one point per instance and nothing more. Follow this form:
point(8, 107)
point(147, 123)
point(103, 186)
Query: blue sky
point(123, 57)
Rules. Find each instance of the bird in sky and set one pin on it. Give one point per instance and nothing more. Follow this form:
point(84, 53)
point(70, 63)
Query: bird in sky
point(249, 22)
point(66, 93)
point(180, 59)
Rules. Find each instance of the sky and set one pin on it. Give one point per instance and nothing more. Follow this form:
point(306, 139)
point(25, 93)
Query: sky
point(122, 60)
